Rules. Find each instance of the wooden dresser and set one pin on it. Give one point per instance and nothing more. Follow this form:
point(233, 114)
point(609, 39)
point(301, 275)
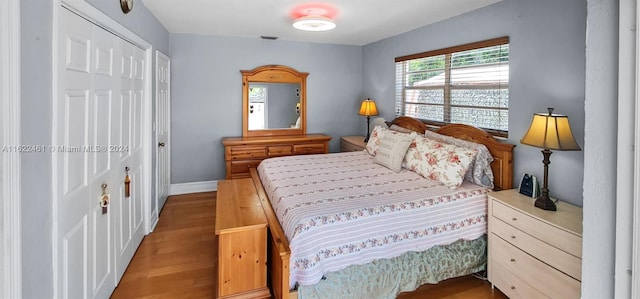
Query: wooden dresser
point(244, 153)
point(534, 253)
point(352, 144)
point(241, 227)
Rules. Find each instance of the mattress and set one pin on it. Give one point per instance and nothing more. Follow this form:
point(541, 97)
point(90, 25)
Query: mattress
point(343, 209)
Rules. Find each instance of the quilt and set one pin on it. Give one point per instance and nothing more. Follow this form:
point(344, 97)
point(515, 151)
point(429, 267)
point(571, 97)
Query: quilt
point(342, 209)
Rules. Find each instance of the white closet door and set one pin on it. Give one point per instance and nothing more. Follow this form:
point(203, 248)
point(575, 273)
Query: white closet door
point(127, 152)
point(97, 133)
point(84, 252)
point(104, 68)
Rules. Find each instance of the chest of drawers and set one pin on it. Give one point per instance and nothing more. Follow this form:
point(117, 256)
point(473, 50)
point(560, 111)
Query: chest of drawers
point(534, 253)
point(244, 153)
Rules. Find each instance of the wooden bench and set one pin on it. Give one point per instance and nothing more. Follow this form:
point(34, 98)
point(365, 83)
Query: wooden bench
point(241, 227)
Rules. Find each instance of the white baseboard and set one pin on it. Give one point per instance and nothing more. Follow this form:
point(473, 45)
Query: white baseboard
point(193, 187)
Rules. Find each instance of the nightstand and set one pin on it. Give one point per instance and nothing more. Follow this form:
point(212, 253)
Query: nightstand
point(533, 253)
point(352, 144)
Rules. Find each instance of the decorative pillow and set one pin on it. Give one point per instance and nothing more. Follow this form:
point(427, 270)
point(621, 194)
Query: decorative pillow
point(392, 150)
point(376, 137)
point(479, 172)
point(439, 161)
point(378, 121)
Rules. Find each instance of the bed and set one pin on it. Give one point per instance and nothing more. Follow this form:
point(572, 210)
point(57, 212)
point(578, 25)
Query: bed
point(320, 197)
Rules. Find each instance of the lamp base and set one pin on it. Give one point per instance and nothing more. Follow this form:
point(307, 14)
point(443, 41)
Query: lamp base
point(545, 203)
point(366, 139)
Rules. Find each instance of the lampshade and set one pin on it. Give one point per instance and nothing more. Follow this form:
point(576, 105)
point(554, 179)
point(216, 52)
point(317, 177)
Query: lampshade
point(368, 108)
point(314, 23)
point(550, 131)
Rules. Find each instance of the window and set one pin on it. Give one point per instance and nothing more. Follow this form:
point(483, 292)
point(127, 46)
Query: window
point(464, 84)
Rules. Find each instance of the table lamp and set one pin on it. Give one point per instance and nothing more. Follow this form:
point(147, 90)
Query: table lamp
point(368, 108)
point(550, 132)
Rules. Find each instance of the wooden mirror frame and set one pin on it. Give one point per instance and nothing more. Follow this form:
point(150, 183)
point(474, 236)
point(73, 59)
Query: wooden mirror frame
point(274, 74)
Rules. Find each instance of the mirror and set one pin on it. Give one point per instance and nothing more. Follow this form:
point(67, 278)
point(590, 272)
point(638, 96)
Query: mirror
point(273, 101)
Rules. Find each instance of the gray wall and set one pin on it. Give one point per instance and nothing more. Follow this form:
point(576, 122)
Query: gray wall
point(206, 94)
point(547, 66)
point(36, 65)
point(35, 43)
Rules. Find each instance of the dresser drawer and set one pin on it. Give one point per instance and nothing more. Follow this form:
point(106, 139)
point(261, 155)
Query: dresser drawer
point(247, 152)
point(549, 281)
point(511, 285)
point(560, 260)
point(545, 232)
point(281, 150)
point(312, 148)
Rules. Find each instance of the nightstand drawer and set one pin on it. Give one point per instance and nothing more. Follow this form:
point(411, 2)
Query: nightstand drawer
point(550, 281)
point(561, 260)
point(312, 148)
point(550, 234)
point(512, 286)
point(245, 152)
point(350, 147)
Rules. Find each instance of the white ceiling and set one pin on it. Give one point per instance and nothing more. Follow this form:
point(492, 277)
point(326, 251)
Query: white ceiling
point(359, 22)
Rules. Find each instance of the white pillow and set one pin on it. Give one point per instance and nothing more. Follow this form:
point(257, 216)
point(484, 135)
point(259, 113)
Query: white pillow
point(376, 137)
point(439, 161)
point(392, 150)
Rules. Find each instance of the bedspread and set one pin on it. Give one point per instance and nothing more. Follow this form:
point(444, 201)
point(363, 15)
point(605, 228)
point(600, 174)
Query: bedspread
point(342, 209)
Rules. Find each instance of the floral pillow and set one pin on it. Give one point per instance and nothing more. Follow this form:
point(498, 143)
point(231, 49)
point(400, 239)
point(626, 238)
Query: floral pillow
point(479, 172)
point(439, 161)
point(376, 138)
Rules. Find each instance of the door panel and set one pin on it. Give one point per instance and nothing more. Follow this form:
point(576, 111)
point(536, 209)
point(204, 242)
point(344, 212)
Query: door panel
point(74, 261)
point(75, 113)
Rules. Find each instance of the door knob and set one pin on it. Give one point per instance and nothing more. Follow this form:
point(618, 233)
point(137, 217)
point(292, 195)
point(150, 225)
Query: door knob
point(161, 144)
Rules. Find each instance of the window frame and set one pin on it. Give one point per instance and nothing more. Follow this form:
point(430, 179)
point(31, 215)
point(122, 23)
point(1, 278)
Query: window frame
point(446, 105)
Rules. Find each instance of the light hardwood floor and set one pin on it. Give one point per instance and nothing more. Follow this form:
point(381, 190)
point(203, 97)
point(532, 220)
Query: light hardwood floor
point(178, 259)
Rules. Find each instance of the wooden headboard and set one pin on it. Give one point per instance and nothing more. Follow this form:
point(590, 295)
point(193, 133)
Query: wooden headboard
point(502, 165)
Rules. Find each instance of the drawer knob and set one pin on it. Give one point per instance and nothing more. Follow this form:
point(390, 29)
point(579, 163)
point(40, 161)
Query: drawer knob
point(513, 260)
point(513, 237)
point(514, 219)
point(513, 287)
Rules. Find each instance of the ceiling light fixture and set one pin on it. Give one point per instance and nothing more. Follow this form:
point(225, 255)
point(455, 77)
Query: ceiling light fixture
point(314, 21)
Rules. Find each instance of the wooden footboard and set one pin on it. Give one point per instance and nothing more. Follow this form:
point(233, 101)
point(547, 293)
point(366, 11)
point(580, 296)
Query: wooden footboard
point(279, 252)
